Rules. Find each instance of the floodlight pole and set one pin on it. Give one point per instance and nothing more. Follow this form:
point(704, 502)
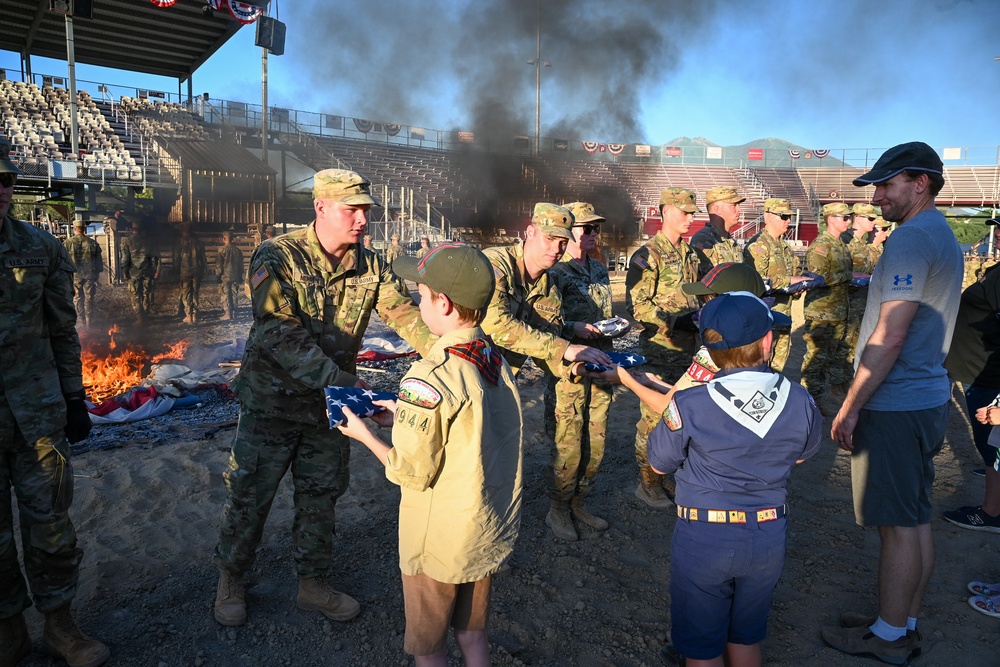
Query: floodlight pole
point(74, 129)
point(263, 104)
point(539, 64)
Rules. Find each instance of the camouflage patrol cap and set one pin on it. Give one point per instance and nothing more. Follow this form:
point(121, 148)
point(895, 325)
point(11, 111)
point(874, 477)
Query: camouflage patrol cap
point(6, 166)
point(867, 210)
point(394, 237)
point(553, 219)
point(779, 206)
point(836, 208)
point(679, 197)
point(344, 186)
point(882, 223)
point(723, 193)
point(79, 224)
point(459, 271)
point(583, 213)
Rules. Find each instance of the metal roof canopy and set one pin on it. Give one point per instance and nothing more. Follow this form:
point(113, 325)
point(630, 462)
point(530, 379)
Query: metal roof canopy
point(124, 34)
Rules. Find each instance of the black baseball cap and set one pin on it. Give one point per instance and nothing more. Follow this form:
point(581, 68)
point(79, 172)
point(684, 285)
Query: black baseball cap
point(728, 277)
point(459, 271)
point(915, 155)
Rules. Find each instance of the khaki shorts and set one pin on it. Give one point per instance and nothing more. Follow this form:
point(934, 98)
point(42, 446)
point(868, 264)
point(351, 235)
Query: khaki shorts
point(432, 607)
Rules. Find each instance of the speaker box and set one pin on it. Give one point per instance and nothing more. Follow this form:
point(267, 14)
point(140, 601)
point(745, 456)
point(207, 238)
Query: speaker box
point(271, 35)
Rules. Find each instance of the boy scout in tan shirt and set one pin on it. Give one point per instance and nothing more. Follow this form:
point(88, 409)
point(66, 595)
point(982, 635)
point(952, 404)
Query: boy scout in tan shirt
point(456, 434)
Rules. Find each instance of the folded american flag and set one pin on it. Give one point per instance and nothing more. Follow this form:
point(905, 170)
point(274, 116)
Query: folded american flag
point(623, 359)
point(616, 326)
point(358, 400)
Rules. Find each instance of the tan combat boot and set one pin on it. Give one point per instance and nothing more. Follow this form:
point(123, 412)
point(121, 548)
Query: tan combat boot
point(650, 489)
point(581, 514)
point(315, 595)
point(15, 643)
point(63, 639)
point(230, 599)
point(559, 520)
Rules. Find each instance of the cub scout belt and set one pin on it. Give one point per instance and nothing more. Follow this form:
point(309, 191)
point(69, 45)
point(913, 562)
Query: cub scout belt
point(731, 516)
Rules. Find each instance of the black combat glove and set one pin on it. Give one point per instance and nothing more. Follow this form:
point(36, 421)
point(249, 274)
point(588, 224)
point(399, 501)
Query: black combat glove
point(78, 422)
point(686, 323)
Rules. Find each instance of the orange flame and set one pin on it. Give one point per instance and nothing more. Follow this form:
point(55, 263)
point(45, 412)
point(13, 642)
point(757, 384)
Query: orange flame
point(108, 371)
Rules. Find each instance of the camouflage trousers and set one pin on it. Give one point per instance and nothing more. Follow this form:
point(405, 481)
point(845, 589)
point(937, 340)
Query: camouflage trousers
point(84, 291)
point(228, 290)
point(782, 347)
point(825, 362)
point(855, 312)
point(189, 288)
point(42, 478)
point(670, 366)
point(576, 419)
point(263, 451)
point(141, 288)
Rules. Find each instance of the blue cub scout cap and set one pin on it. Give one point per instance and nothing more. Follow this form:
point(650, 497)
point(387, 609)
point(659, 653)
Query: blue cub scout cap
point(740, 318)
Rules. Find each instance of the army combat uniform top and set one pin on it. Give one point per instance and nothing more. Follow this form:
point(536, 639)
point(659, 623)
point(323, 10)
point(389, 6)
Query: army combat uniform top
point(713, 248)
point(655, 299)
point(586, 296)
point(456, 455)
point(829, 257)
point(309, 319)
point(86, 255)
point(525, 318)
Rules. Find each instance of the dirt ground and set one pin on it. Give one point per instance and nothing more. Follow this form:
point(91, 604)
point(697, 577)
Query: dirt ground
point(147, 516)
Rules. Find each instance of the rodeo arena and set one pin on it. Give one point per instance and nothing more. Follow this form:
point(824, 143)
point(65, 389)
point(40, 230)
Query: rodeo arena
point(172, 216)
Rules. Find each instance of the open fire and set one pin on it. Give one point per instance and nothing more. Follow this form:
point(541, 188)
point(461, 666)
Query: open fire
point(109, 371)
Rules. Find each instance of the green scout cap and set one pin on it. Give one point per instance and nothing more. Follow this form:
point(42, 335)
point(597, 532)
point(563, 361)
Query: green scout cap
point(341, 185)
point(723, 193)
point(459, 271)
point(583, 213)
point(915, 155)
point(867, 210)
point(553, 219)
point(779, 206)
point(6, 166)
point(679, 197)
point(728, 277)
point(836, 208)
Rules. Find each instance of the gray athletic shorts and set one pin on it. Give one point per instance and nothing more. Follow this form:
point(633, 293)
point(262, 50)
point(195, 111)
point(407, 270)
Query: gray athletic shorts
point(892, 465)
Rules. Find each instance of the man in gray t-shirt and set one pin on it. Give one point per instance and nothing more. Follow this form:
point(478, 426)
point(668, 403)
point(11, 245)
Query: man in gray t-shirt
point(895, 415)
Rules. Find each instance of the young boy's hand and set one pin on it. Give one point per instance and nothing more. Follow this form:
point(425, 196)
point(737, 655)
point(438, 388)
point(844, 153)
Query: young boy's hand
point(988, 415)
point(353, 426)
point(385, 418)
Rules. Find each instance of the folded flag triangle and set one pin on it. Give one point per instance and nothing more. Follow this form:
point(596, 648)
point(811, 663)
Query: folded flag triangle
point(358, 400)
point(623, 359)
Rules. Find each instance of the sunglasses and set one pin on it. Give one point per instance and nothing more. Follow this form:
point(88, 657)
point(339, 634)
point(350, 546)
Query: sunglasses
point(8, 180)
point(588, 229)
point(846, 217)
point(783, 216)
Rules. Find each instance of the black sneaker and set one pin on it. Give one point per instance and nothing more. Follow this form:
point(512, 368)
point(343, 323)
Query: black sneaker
point(974, 519)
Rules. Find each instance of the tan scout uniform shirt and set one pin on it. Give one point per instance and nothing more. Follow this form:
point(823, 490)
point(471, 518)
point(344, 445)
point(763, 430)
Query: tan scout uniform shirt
point(39, 346)
point(586, 296)
point(457, 457)
point(829, 258)
point(653, 292)
point(309, 319)
point(525, 318)
point(774, 261)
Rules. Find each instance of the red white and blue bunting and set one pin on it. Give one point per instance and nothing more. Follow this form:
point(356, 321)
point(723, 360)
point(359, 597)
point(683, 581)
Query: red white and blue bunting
point(164, 3)
point(243, 12)
point(794, 153)
point(592, 146)
point(616, 149)
point(821, 152)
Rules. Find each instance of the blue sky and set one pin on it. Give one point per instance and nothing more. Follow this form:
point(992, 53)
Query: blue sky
point(820, 73)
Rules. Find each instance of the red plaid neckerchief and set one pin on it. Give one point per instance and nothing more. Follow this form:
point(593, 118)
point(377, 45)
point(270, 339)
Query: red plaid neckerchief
point(484, 355)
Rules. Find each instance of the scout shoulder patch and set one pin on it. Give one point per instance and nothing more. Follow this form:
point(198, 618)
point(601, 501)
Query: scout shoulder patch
point(260, 276)
point(419, 393)
point(640, 261)
point(672, 417)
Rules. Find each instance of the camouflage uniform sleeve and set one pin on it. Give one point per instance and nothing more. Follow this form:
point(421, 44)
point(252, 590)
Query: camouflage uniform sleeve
point(399, 312)
point(60, 317)
point(125, 257)
point(640, 289)
point(202, 260)
point(514, 335)
point(279, 329)
point(818, 261)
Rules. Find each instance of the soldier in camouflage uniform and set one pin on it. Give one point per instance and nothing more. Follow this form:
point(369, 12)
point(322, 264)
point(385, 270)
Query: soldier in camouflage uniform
point(875, 248)
point(774, 261)
point(576, 413)
point(824, 366)
point(229, 266)
point(42, 410)
point(863, 218)
point(140, 265)
point(713, 242)
point(86, 255)
point(654, 298)
point(191, 266)
point(393, 252)
point(312, 292)
point(425, 247)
